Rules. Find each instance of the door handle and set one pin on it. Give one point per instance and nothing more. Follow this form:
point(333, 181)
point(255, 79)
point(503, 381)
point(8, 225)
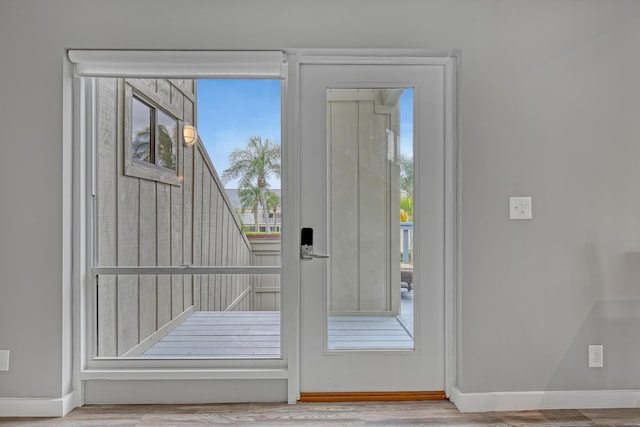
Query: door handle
point(306, 245)
point(306, 253)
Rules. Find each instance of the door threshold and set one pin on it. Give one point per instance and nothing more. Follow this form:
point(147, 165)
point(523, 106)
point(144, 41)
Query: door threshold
point(372, 396)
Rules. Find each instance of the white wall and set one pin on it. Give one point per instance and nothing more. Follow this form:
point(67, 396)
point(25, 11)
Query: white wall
point(549, 103)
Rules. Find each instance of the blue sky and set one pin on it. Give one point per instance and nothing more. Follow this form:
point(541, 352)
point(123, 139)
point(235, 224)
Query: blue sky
point(232, 111)
point(406, 122)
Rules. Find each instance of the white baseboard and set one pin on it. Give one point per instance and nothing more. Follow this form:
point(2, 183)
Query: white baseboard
point(531, 400)
point(41, 407)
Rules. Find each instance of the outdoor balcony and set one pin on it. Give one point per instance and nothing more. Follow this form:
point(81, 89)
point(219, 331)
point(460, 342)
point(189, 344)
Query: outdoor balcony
point(256, 334)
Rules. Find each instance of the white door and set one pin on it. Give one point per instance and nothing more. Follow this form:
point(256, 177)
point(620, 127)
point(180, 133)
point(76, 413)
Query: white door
point(372, 314)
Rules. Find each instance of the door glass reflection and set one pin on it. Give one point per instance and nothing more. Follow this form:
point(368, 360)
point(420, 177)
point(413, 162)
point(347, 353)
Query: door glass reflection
point(370, 286)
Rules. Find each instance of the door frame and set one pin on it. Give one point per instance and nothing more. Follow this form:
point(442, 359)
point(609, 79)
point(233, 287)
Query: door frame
point(449, 60)
point(77, 169)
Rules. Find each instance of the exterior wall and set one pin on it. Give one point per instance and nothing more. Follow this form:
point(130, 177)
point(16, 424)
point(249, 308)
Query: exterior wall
point(147, 222)
point(364, 200)
point(548, 107)
point(218, 241)
point(265, 250)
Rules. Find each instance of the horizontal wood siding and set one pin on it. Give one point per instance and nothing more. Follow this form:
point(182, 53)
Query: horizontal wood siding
point(144, 222)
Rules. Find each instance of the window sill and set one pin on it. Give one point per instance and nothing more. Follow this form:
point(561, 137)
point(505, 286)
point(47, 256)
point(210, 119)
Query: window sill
point(151, 173)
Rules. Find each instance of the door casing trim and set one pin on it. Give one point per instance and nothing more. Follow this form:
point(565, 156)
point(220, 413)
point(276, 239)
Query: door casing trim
point(450, 60)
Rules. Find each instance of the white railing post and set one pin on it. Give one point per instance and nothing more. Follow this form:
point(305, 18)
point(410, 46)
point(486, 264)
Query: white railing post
point(405, 227)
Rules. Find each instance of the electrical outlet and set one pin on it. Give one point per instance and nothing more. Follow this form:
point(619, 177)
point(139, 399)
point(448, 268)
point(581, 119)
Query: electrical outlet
point(520, 208)
point(596, 356)
point(4, 360)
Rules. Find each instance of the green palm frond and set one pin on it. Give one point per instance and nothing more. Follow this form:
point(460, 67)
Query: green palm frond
point(253, 165)
point(406, 174)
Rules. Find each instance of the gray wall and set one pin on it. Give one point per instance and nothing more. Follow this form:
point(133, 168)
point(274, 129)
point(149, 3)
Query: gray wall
point(549, 104)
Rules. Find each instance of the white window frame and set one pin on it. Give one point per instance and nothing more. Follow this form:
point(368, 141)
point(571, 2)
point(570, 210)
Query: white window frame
point(141, 169)
point(81, 67)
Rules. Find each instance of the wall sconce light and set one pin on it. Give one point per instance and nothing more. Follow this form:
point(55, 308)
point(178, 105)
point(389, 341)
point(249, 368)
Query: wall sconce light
point(189, 135)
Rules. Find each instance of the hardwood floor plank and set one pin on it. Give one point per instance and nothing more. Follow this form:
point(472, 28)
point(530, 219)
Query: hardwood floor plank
point(424, 413)
point(609, 417)
point(549, 418)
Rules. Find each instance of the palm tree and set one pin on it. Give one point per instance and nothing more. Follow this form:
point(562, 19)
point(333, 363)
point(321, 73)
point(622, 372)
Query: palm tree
point(406, 209)
point(166, 155)
point(141, 145)
point(254, 164)
point(165, 149)
point(250, 199)
point(406, 174)
point(406, 188)
point(273, 201)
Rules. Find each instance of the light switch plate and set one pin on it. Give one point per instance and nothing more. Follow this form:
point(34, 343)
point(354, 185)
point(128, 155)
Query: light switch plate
point(520, 208)
point(4, 360)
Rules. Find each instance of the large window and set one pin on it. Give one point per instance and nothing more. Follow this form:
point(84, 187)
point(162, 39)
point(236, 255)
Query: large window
point(146, 224)
point(167, 242)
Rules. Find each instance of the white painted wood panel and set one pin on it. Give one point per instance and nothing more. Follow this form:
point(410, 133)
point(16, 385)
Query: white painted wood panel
point(373, 210)
point(128, 242)
point(214, 280)
point(266, 287)
point(107, 216)
point(164, 251)
point(363, 201)
point(148, 247)
point(182, 291)
point(206, 243)
point(224, 234)
point(197, 222)
point(128, 206)
point(343, 134)
point(220, 279)
point(177, 243)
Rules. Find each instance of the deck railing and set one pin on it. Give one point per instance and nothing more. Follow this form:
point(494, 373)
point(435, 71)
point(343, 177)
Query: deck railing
point(407, 239)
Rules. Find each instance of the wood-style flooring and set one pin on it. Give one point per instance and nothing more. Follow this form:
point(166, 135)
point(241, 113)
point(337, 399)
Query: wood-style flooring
point(433, 413)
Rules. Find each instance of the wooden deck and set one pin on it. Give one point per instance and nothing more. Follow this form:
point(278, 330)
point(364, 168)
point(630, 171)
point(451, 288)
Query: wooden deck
point(256, 334)
point(230, 334)
point(367, 332)
point(374, 332)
